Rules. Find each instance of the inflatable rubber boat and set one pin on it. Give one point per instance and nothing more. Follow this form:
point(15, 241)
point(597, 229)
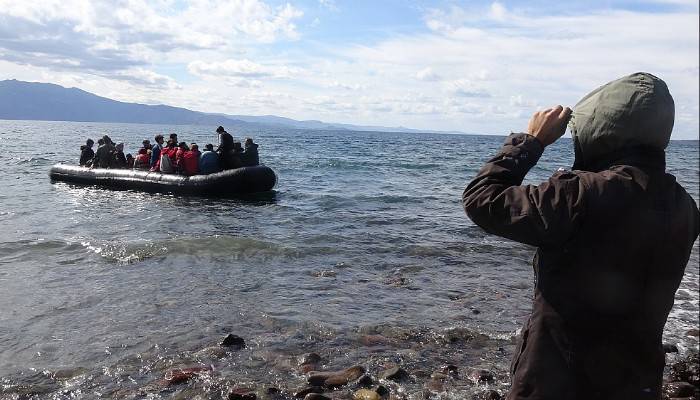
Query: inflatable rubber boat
point(233, 181)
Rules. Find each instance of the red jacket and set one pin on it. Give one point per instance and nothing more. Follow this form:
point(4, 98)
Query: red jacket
point(190, 162)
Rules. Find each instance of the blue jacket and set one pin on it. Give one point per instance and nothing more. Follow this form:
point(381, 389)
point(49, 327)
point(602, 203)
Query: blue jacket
point(208, 162)
point(155, 154)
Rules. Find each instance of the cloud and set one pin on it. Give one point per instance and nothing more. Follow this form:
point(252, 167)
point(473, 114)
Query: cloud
point(239, 69)
point(329, 4)
point(427, 74)
point(101, 35)
point(466, 88)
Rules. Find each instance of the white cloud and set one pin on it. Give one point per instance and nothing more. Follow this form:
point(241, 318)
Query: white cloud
point(427, 74)
point(239, 69)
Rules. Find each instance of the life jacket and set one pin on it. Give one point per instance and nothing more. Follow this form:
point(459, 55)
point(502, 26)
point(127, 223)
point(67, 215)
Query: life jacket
point(141, 161)
point(190, 162)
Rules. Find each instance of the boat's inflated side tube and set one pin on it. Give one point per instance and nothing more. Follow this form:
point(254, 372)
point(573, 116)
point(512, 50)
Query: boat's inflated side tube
point(233, 181)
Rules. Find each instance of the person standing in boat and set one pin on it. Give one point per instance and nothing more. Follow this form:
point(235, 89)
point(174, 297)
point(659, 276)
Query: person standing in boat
point(209, 160)
point(86, 153)
point(225, 148)
point(155, 150)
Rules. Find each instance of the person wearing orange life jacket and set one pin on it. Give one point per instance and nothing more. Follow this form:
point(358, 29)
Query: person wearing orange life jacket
point(189, 163)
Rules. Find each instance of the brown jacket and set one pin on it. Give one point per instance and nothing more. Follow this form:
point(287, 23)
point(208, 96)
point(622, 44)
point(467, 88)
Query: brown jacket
point(612, 246)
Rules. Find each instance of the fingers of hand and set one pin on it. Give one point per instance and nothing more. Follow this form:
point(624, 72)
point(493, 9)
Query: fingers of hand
point(565, 114)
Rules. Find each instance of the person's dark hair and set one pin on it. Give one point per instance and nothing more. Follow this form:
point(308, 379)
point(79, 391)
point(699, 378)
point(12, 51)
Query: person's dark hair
point(158, 138)
point(107, 139)
point(248, 140)
point(220, 129)
point(194, 146)
point(182, 145)
point(100, 141)
point(173, 136)
point(237, 146)
point(128, 155)
point(209, 147)
point(89, 142)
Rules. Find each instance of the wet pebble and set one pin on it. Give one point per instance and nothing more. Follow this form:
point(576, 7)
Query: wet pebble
point(396, 374)
point(306, 390)
point(670, 348)
point(181, 375)
point(316, 396)
point(488, 395)
point(481, 375)
point(366, 394)
point(242, 394)
point(334, 379)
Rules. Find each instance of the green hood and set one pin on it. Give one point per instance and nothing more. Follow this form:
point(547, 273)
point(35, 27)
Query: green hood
point(635, 111)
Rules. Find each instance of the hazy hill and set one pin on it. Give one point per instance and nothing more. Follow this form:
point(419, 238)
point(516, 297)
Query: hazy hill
point(48, 102)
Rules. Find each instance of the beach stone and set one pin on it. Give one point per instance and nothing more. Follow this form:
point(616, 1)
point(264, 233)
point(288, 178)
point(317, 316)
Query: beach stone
point(316, 396)
point(481, 375)
point(488, 395)
point(242, 394)
point(232, 340)
point(365, 381)
point(382, 390)
point(395, 374)
point(180, 375)
point(304, 391)
point(670, 348)
point(334, 379)
point(679, 389)
point(366, 394)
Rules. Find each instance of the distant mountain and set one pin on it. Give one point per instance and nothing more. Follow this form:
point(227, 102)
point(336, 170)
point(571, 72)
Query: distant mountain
point(48, 102)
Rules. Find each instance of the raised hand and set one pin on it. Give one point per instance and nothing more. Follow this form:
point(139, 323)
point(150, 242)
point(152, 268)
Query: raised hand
point(549, 125)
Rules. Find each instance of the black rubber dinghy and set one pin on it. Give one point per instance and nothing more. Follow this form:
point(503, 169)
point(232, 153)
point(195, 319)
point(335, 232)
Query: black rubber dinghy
point(233, 181)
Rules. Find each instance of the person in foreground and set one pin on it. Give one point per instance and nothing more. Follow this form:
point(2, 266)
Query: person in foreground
point(613, 238)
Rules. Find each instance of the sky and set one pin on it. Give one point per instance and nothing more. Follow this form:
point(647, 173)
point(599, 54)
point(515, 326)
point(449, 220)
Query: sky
point(470, 66)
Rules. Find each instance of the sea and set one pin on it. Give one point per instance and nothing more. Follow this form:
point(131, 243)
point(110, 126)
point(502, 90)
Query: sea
point(362, 254)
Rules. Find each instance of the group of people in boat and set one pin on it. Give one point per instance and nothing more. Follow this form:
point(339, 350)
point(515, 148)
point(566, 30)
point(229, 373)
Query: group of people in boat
point(172, 157)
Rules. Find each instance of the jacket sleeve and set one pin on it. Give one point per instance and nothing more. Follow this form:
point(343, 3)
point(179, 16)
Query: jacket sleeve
point(543, 215)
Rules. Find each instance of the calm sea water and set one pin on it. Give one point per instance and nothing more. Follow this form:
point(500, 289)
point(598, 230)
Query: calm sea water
point(363, 254)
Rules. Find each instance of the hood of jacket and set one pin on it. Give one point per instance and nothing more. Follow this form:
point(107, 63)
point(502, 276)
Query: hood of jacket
point(632, 114)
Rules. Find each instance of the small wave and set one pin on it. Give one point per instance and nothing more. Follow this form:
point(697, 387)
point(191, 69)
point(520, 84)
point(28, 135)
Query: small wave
point(202, 247)
point(32, 160)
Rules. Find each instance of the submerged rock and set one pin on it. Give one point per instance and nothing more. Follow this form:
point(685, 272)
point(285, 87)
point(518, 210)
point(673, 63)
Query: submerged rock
point(481, 375)
point(181, 375)
point(242, 394)
point(306, 390)
point(395, 374)
point(232, 340)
